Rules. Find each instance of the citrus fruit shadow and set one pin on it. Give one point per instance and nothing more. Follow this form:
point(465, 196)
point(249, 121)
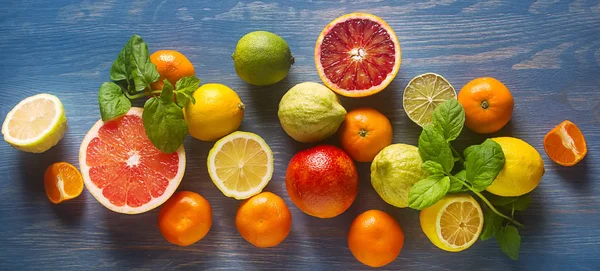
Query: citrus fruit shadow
point(468, 137)
point(385, 101)
point(32, 167)
point(71, 212)
point(264, 100)
point(576, 176)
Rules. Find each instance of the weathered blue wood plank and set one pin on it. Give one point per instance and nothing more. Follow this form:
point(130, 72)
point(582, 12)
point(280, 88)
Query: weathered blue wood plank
point(546, 52)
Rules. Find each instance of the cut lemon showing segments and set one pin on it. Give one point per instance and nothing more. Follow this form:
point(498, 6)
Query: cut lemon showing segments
point(35, 124)
point(425, 93)
point(62, 182)
point(453, 223)
point(240, 165)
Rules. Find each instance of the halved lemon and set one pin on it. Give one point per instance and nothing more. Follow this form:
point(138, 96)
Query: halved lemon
point(453, 223)
point(240, 164)
point(425, 93)
point(35, 124)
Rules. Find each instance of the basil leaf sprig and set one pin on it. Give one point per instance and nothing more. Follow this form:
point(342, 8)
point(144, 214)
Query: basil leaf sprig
point(476, 169)
point(132, 74)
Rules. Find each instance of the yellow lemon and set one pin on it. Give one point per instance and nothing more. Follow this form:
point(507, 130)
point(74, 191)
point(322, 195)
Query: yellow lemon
point(35, 124)
point(454, 223)
point(240, 164)
point(522, 170)
point(218, 111)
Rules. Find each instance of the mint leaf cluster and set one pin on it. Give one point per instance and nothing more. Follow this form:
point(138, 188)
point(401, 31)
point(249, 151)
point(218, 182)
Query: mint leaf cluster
point(132, 74)
point(474, 171)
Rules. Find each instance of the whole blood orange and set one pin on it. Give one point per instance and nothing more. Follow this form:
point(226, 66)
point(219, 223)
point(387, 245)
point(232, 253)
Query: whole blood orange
point(264, 220)
point(322, 181)
point(375, 238)
point(364, 133)
point(565, 144)
point(185, 218)
point(171, 65)
point(488, 105)
point(123, 170)
point(357, 55)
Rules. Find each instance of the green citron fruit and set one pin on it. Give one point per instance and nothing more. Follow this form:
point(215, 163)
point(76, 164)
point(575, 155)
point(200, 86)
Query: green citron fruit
point(262, 58)
point(394, 171)
point(310, 112)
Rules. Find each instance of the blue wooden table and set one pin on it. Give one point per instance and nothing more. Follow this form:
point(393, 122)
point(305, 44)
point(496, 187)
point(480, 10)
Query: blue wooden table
point(547, 52)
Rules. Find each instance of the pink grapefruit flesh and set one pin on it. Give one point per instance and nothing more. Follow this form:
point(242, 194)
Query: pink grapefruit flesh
point(123, 170)
point(357, 55)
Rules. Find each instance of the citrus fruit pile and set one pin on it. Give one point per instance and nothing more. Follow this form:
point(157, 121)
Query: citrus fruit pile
point(133, 159)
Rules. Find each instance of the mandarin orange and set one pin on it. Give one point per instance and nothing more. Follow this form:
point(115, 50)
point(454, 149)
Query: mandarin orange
point(488, 105)
point(264, 220)
point(185, 218)
point(375, 238)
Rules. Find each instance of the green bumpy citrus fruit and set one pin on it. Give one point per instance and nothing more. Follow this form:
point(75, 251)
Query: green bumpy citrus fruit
point(310, 112)
point(394, 171)
point(262, 58)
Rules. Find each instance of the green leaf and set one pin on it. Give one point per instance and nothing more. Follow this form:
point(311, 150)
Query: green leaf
point(167, 92)
point(120, 69)
point(455, 185)
point(433, 146)
point(456, 155)
point(522, 202)
point(519, 203)
point(184, 90)
point(449, 119)
point(433, 168)
point(142, 70)
point(509, 241)
point(113, 103)
point(164, 124)
point(492, 223)
point(428, 191)
point(483, 163)
point(498, 200)
point(189, 82)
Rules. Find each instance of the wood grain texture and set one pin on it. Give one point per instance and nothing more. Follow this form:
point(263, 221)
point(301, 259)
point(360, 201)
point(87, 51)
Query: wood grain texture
point(547, 52)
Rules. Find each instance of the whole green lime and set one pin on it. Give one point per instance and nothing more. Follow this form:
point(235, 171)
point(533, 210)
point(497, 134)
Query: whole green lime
point(394, 171)
point(262, 58)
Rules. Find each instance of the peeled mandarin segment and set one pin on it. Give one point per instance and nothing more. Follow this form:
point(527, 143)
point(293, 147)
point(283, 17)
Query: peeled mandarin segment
point(565, 144)
point(50, 184)
point(62, 182)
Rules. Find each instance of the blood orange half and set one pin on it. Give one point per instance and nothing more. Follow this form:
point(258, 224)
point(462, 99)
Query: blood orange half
point(123, 170)
point(357, 55)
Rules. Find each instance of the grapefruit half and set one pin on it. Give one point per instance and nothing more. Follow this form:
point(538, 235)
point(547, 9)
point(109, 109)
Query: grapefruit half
point(123, 170)
point(357, 55)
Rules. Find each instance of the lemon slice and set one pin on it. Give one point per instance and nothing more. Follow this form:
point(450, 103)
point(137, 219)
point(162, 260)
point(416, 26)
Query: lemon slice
point(35, 124)
point(240, 164)
point(453, 223)
point(425, 93)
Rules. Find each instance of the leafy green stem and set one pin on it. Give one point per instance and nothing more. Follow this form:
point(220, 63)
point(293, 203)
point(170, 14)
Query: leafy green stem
point(142, 94)
point(489, 204)
point(457, 154)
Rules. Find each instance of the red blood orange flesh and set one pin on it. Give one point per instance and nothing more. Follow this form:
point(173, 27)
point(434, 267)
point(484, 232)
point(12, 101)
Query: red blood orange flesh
point(123, 170)
point(357, 55)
